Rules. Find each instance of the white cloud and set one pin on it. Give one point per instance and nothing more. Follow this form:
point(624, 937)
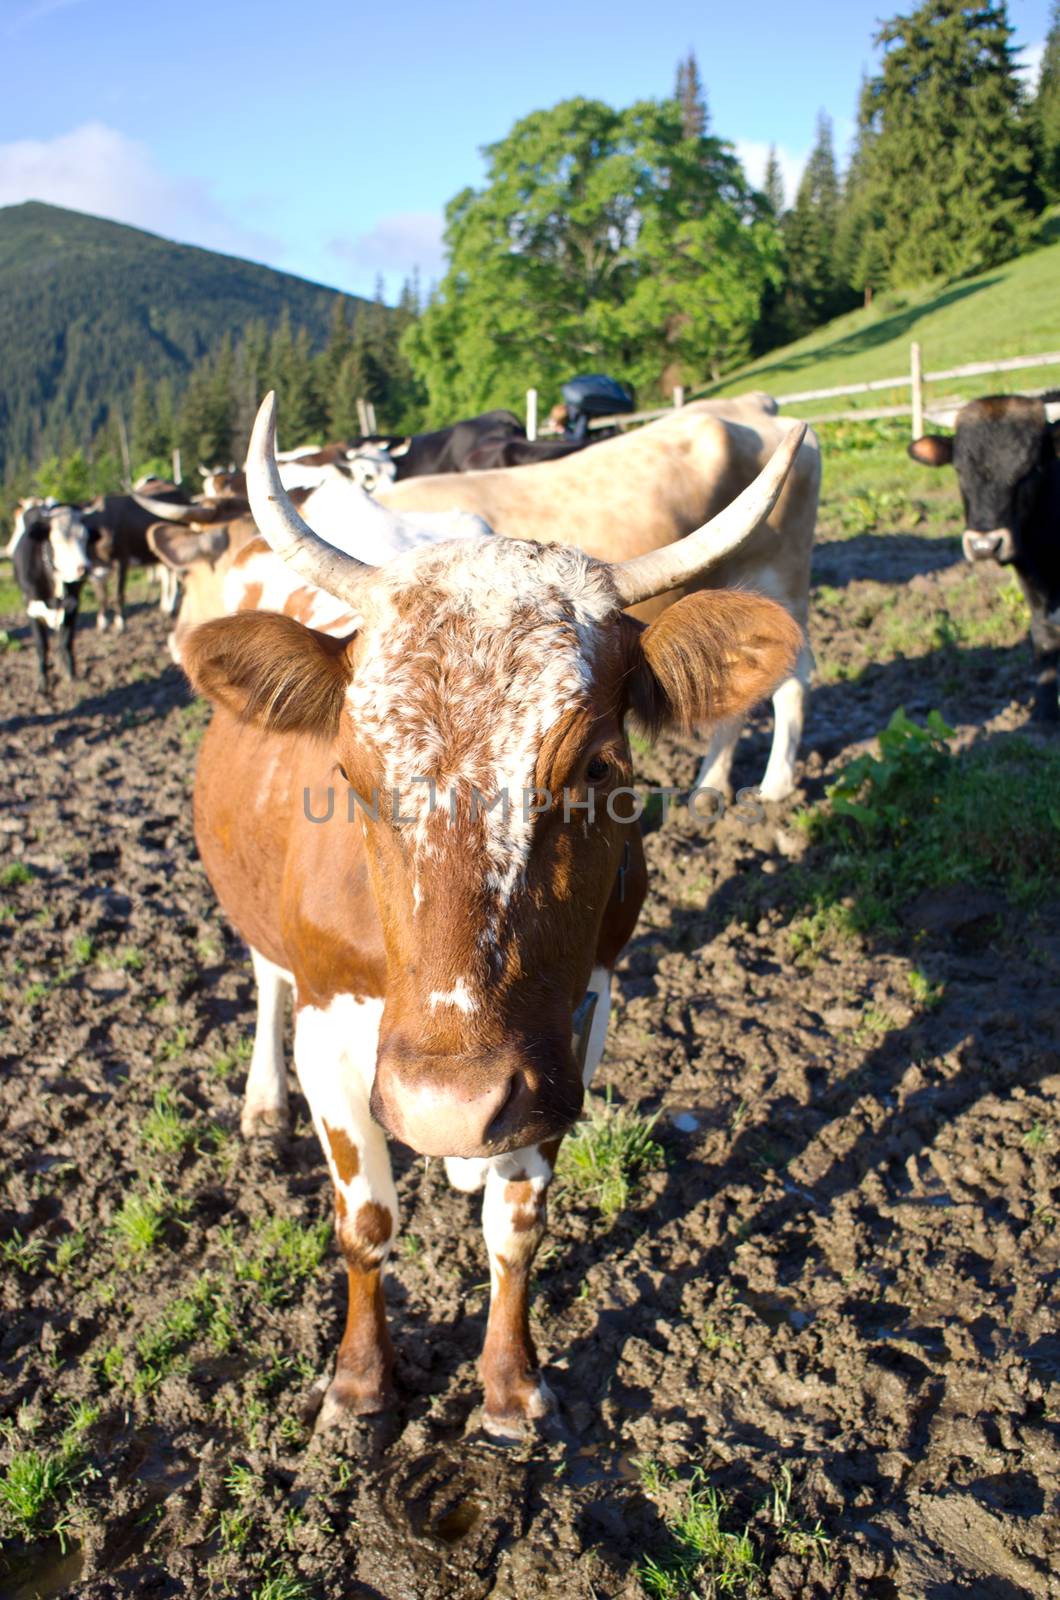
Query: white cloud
point(397, 244)
point(1029, 68)
point(96, 169)
point(754, 153)
point(37, 10)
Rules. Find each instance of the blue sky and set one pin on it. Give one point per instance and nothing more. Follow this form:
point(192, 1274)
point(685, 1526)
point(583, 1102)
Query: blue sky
point(326, 139)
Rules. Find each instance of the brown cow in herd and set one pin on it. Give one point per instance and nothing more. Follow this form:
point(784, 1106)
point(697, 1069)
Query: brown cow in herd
point(449, 919)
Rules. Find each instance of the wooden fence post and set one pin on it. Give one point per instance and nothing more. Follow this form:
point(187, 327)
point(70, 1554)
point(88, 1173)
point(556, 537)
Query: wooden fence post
point(176, 466)
point(362, 415)
point(373, 426)
point(916, 383)
point(679, 394)
point(531, 413)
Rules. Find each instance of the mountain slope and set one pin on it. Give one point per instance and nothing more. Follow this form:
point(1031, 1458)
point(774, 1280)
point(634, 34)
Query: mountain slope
point(84, 302)
point(1011, 310)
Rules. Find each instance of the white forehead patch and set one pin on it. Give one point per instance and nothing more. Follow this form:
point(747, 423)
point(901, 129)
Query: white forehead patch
point(470, 653)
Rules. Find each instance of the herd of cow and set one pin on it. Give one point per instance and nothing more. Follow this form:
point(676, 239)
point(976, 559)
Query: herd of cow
point(414, 800)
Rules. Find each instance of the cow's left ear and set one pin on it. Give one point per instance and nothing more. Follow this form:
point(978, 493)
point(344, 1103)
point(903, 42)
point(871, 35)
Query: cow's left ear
point(712, 656)
point(270, 670)
point(933, 450)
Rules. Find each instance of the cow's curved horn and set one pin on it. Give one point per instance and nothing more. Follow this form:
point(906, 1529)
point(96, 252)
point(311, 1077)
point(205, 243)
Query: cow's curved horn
point(283, 529)
point(166, 511)
point(658, 571)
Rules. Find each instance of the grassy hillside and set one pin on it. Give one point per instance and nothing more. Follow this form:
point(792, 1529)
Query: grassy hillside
point(1010, 310)
point(84, 302)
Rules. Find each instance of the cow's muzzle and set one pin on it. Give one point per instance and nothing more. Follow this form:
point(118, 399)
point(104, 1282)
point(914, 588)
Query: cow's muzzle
point(997, 545)
point(508, 1099)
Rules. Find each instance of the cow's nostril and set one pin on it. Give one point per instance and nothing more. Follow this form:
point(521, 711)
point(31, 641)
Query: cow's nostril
point(502, 1116)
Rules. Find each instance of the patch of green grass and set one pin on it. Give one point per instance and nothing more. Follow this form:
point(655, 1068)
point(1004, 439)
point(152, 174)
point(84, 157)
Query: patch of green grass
point(165, 1128)
point(37, 1485)
point(34, 993)
point(172, 1049)
point(927, 994)
point(918, 816)
point(606, 1153)
point(279, 1255)
point(83, 949)
point(15, 874)
point(69, 1249)
point(7, 642)
point(809, 936)
point(127, 959)
point(705, 1558)
point(283, 1586)
point(799, 1540)
point(141, 1221)
point(1037, 1136)
point(26, 1255)
point(224, 1065)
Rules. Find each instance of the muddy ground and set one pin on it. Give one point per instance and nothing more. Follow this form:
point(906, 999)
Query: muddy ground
point(841, 1283)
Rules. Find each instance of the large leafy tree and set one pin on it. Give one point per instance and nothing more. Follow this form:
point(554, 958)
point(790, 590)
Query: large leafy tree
point(601, 238)
point(946, 186)
point(1046, 112)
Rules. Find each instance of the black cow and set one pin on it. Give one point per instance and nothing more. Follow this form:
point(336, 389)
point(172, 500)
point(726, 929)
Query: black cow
point(117, 526)
point(495, 439)
point(51, 560)
point(1006, 454)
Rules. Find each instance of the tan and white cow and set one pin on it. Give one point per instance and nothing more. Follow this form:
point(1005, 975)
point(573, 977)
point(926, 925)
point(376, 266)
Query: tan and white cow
point(642, 491)
point(414, 814)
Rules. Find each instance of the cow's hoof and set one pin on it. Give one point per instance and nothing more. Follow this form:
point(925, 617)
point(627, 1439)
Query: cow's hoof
point(364, 1417)
point(265, 1122)
point(532, 1414)
point(118, 624)
point(101, 622)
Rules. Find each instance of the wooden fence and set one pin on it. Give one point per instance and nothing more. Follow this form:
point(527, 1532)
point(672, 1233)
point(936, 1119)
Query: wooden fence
point(915, 380)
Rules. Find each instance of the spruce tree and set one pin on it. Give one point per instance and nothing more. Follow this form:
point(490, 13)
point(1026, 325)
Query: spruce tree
point(773, 184)
point(690, 96)
point(1046, 112)
point(814, 290)
point(947, 185)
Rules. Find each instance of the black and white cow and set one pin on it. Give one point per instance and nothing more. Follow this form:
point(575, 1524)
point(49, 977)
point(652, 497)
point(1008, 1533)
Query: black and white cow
point(1007, 455)
point(51, 560)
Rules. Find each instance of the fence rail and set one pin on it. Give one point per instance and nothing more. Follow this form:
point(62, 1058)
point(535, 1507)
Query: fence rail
point(914, 380)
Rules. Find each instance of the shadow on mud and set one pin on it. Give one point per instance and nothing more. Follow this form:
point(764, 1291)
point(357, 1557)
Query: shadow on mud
point(74, 706)
point(882, 558)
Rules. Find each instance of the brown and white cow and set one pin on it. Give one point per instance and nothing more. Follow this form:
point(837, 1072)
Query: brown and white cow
point(449, 920)
point(642, 491)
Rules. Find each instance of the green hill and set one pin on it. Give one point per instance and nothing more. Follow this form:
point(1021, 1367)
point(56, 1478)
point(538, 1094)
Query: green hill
point(1010, 310)
point(84, 302)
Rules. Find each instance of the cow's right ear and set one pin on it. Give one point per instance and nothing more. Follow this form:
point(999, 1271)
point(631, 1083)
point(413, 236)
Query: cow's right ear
point(270, 670)
point(933, 450)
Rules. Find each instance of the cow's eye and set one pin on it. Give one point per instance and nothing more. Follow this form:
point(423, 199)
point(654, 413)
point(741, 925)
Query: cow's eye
point(597, 770)
point(342, 772)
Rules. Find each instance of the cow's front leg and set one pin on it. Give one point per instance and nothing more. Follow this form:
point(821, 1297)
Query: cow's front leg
point(118, 619)
point(66, 643)
point(514, 1211)
point(335, 1050)
point(1046, 705)
point(40, 644)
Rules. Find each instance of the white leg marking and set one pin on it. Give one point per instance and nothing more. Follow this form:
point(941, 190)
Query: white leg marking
point(334, 1055)
point(265, 1096)
point(717, 763)
point(466, 1173)
point(789, 710)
